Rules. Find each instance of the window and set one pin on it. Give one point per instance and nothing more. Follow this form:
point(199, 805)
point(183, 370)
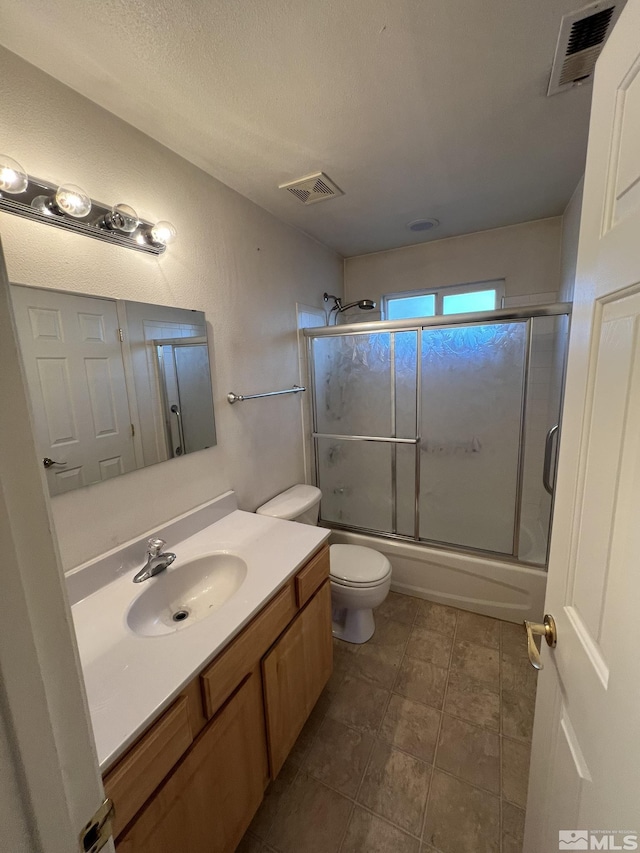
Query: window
point(458, 299)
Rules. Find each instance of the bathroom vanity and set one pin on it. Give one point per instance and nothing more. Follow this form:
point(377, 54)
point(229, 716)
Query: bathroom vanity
point(189, 774)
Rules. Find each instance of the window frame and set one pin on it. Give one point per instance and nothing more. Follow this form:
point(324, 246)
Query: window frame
point(439, 293)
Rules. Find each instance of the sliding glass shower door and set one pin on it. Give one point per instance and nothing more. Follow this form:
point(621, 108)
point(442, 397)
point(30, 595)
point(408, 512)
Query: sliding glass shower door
point(365, 408)
point(471, 393)
point(440, 433)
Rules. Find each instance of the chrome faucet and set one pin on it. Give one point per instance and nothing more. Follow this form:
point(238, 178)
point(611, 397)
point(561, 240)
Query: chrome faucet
point(157, 561)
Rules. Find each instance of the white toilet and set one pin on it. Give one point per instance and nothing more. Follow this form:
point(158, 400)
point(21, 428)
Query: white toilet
point(360, 577)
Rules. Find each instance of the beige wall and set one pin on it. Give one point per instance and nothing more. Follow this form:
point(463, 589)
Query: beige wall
point(527, 256)
point(232, 259)
point(570, 234)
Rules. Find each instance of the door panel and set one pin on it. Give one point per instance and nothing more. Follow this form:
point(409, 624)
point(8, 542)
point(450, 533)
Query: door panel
point(617, 352)
point(59, 411)
point(102, 396)
point(624, 189)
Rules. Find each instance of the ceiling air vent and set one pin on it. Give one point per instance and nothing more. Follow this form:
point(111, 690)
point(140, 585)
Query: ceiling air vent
point(581, 39)
point(312, 188)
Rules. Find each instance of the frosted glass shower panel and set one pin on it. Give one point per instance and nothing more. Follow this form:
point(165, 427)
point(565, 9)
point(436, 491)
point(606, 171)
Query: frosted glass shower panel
point(405, 459)
point(544, 391)
point(355, 479)
point(353, 384)
point(405, 351)
point(471, 407)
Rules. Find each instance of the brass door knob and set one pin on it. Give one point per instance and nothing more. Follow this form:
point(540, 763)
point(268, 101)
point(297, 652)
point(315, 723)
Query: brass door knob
point(546, 629)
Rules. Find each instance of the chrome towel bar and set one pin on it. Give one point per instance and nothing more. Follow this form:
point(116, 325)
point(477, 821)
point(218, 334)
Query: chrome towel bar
point(240, 398)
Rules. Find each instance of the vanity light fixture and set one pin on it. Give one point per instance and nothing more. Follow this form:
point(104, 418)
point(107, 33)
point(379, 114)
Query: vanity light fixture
point(159, 235)
point(68, 206)
point(162, 233)
point(68, 199)
point(121, 217)
point(13, 178)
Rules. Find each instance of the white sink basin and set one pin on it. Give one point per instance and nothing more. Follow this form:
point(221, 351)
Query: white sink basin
point(185, 594)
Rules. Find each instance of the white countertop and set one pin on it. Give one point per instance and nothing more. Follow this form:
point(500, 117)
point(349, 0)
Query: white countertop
point(129, 678)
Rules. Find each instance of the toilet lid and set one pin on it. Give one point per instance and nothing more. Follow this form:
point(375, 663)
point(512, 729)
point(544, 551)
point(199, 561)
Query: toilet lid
point(357, 565)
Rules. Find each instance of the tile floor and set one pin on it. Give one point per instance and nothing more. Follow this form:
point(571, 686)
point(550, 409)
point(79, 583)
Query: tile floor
point(419, 744)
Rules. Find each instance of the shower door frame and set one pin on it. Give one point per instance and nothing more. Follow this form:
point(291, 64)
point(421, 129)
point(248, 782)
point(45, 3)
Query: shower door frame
point(417, 325)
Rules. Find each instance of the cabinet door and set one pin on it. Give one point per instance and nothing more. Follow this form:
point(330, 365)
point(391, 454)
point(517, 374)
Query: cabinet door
point(208, 801)
point(294, 673)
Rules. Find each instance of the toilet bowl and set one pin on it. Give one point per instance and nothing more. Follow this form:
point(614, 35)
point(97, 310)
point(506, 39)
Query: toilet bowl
point(360, 581)
point(360, 577)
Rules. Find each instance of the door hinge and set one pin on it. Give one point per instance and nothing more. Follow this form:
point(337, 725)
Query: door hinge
point(133, 431)
point(121, 335)
point(98, 830)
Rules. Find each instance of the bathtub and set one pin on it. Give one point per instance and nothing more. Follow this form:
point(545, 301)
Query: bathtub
point(492, 587)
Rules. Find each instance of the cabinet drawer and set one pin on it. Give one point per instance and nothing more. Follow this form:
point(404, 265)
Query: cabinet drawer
point(222, 677)
point(138, 774)
point(312, 576)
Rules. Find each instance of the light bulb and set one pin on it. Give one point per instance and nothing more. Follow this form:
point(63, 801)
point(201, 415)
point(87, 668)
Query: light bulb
point(73, 201)
point(121, 218)
point(163, 233)
point(13, 178)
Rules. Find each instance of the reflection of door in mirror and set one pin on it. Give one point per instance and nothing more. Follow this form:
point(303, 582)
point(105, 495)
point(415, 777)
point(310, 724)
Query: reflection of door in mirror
point(185, 387)
point(146, 326)
point(98, 395)
point(72, 358)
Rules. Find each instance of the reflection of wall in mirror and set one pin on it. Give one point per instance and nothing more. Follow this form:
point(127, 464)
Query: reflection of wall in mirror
point(145, 324)
point(185, 380)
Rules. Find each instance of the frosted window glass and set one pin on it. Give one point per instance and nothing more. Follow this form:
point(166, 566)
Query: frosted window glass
point(411, 306)
point(472, 386)
point(461, 303)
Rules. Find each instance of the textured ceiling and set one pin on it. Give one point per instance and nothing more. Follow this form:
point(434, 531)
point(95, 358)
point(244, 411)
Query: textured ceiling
point(415, 108)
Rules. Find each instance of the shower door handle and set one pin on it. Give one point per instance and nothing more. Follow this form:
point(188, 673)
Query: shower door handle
point(548, 458)
point(176, 411)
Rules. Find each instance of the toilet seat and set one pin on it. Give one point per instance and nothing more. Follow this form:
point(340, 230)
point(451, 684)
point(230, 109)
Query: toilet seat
point(358, 567)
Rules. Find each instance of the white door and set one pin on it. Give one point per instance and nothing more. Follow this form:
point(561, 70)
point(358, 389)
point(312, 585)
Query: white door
point(584, 790)
point(50, 786)
point(72, 357)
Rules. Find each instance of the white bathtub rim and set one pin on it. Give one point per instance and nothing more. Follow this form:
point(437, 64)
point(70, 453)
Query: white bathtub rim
point(522, 588)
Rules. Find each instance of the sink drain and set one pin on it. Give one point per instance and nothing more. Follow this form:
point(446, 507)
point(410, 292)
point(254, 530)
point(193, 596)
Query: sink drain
point(180, 615)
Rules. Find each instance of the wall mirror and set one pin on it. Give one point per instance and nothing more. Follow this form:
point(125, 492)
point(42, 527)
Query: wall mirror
point(114, 385)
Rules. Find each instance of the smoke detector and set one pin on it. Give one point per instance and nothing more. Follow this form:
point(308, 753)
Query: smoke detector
point(580, 42)
point(312, 188)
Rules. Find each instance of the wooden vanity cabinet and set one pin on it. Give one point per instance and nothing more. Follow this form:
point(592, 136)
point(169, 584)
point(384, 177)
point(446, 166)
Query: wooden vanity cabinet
point(194, 780)
point(294, 673)
point(209, 799)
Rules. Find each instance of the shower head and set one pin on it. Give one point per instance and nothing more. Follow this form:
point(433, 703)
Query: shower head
point(364, 305)
point(338, 307)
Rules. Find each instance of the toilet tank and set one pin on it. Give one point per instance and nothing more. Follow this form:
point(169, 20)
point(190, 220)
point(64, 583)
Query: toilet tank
point(299, 503)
